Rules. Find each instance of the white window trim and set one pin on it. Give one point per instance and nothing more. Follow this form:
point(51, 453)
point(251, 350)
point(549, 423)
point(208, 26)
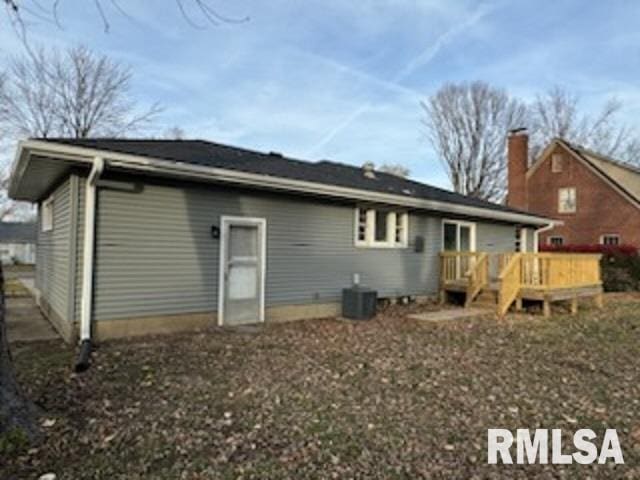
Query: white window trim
point(392, 219)
point(46, 215)
point(561, 208)
point(549, 239)
point(616, 235)
point(460, 223)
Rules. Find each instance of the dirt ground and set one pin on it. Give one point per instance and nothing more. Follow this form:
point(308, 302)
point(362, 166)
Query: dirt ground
point(388, 398)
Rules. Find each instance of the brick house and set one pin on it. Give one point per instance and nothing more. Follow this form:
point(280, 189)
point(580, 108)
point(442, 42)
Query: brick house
point(596, 198)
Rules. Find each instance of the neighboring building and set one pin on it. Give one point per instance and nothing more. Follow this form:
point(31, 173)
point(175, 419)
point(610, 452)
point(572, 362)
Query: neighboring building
point(17, 243)
point(596, 198)
point(144, 236)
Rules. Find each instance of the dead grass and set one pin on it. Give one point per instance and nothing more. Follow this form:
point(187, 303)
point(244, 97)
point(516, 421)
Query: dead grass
point(389, 398)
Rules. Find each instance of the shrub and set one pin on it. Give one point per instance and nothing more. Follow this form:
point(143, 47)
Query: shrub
point(620, 264)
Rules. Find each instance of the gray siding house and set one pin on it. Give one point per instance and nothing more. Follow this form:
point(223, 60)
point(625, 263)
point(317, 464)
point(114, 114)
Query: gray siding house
point(17, 243)
point(149, 236)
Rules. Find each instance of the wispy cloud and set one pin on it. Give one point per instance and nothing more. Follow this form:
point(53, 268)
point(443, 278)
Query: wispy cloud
point(420, 60)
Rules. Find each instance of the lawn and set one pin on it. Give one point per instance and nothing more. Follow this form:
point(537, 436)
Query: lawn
point(389, 398)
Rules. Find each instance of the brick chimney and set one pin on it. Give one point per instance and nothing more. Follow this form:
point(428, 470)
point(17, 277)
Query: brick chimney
point(517, 163)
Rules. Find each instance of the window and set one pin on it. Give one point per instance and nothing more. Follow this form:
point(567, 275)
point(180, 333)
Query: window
point(567, 200)
point(458, 236)
point(46, 215)
point(610, 239)
point(381, 228)
point(556, 241)
point(556, 163)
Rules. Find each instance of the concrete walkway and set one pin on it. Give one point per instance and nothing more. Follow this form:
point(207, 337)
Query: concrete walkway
point(25, 322)
point(451, 314)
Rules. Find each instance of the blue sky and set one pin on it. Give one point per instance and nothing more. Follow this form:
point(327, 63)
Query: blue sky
point(343, 79)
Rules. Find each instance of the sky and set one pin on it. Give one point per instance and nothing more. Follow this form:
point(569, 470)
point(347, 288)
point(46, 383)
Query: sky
point(343, 80)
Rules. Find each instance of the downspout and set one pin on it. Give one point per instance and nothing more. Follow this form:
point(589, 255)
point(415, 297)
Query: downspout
point(537, 232)
point(86, 301)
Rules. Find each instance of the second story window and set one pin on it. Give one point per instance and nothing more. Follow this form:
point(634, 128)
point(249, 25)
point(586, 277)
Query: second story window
point(556, 163)
point(567, 200)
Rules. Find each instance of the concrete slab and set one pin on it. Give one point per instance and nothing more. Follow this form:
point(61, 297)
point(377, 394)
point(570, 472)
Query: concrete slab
point(451, 314)
point(25, 322)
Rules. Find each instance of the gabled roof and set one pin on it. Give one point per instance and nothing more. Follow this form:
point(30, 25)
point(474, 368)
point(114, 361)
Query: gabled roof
point(17, 232)
point(622, 176)
point(201, 152)
point(227, 163)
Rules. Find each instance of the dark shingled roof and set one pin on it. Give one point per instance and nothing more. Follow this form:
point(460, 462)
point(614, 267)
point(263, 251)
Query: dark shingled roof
point(15, 232)
point(209, 154)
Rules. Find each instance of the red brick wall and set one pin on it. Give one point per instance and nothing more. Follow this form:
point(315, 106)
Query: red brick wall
point(600, 209)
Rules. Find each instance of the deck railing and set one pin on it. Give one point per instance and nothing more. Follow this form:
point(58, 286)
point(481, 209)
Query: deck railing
point(455, 266)
point(560, 270)
point(520, 271)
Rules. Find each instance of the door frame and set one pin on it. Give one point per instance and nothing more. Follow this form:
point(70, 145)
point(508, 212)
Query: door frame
point(460, 223)
point(261, 223)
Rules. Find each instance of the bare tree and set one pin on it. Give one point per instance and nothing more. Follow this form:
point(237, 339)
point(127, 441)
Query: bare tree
point(467, 125)
point(395, 169)
point(75, 93)
point(556, 113)
point(25, 12)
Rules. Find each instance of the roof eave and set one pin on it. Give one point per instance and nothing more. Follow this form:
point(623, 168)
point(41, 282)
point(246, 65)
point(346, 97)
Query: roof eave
point(160, 166)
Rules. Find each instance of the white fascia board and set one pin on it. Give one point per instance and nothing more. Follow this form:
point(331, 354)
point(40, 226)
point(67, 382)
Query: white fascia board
point(185, 170)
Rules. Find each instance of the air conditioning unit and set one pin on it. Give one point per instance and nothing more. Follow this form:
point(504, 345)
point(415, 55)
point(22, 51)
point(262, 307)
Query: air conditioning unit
point(359, 303)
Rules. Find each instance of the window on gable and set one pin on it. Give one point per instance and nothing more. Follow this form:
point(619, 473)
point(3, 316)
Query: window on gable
point(46, 215)
point(381, 228)
point(610, 239)
point(556, 241)
point(567, 200)
point(556, 163)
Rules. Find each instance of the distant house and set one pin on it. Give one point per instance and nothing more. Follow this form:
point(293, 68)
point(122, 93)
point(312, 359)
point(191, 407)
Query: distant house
point(596, 198)
point(17, 243)
point(148, 236)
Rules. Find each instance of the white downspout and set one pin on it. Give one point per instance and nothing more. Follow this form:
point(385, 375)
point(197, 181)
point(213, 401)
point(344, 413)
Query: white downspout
point(536, 234)
point(88, 249)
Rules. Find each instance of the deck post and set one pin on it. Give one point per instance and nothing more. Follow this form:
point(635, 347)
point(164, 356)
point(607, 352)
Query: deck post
point(574, 305)
point(546, 307)
point(599, 300)
point(519, 304)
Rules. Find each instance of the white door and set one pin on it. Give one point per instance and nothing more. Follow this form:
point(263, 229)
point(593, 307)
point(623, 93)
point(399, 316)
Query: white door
point(242, 270)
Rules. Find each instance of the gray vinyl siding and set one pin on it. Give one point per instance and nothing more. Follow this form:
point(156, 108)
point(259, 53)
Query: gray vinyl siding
point(155, 254)
point(495, 238)
point(53, 254)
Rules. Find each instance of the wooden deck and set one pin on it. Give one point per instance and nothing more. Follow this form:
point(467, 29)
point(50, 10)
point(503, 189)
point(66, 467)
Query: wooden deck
point(544, 277)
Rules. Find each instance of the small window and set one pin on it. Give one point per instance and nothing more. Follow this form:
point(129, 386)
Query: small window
point(46, 215)
point(556, 241)
point(556, 163)
point(381, 228)
point(610, 239)
point(567, 200)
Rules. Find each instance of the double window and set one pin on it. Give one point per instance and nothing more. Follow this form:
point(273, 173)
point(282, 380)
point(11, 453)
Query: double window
point(556, 241)
point(610, 239)
point(381, 228)
point(567, 200)
point(46, 215)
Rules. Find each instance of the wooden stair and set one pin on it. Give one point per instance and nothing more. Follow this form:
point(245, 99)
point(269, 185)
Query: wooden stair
point(487, 298)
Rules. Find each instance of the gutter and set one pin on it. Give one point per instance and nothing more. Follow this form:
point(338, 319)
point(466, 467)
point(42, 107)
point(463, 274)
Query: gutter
point(86, 301)
point(180, 169)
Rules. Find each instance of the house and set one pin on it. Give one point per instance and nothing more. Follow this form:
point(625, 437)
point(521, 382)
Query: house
point(149, 236)
point(596, 198)
point(17, 243)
